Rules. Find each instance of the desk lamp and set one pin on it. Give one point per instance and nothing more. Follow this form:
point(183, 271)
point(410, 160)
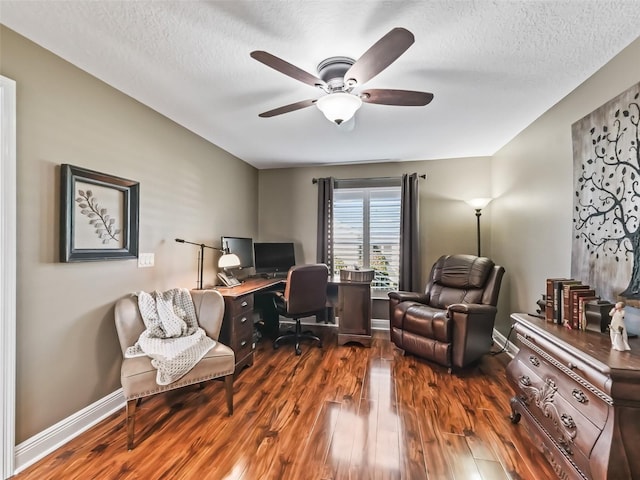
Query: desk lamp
point(227, 260)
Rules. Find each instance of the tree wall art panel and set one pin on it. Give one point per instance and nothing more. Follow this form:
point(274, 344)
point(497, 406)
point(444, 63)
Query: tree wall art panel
point(606, 216)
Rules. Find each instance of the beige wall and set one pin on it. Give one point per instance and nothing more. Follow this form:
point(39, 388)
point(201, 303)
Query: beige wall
point(67, 352)
point(533, 183)
point(288, 204)
point(66, 339)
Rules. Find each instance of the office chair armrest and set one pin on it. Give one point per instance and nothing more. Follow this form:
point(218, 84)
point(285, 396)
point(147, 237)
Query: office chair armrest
point(279, 301)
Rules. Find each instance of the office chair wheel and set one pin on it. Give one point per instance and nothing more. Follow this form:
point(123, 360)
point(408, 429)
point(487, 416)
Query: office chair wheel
point(298, 351)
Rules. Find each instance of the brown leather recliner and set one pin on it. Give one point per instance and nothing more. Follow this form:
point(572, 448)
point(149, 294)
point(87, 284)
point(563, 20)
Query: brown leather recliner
point(452, 322)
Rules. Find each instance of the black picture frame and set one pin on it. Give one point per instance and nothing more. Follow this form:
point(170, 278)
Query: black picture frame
point(94, 228)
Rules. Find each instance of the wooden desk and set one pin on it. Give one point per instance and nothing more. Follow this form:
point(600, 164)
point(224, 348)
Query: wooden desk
point(237, 325)
point(354, 307)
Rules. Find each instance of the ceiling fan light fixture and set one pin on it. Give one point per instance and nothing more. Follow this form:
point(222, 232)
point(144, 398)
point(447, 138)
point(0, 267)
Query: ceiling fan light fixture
point(339, 107)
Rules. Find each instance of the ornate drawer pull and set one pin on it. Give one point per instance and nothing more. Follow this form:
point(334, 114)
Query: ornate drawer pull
point(534, 361)
point(243, 319)
point(524, 380)
point(567, 421)
point(244, 304)
point(572, 366)
point(565, 446)
point(243, 343)
point(579, 396)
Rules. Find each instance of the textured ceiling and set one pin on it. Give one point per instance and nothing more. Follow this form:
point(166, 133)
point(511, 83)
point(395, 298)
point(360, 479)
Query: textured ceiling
point(493, 66)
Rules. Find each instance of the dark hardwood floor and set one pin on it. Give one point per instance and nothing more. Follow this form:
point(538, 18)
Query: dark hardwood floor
point(333, 413)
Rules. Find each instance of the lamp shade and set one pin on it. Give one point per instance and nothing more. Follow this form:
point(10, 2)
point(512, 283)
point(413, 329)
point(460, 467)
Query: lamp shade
point(339, 107)
point(479, 203)
point(229, 260)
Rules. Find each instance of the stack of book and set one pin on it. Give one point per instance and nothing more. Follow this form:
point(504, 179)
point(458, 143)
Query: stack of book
point(565, 300)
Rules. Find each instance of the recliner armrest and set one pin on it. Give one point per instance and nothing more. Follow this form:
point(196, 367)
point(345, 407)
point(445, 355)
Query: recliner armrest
point(400, 296)
point(472, 331)
point(472, 308)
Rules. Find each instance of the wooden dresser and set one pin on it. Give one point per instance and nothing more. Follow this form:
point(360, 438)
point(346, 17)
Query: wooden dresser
point(578, 398)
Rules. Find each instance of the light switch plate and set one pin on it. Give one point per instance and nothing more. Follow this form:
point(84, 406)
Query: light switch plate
point(146, 260)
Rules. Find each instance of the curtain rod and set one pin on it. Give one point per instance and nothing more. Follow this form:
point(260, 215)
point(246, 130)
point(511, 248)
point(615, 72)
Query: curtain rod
point(315, 180)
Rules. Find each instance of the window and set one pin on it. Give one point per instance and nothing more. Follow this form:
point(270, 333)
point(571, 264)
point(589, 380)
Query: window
point(366, 228)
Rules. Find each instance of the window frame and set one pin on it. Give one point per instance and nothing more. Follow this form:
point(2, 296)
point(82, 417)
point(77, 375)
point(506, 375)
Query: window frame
point(369, 185)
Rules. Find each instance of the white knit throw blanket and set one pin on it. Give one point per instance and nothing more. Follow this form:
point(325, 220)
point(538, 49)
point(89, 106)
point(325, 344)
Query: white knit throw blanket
point(172, 338)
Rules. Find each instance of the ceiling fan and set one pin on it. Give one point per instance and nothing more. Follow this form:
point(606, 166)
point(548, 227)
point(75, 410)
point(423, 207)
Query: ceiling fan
point(339, 77)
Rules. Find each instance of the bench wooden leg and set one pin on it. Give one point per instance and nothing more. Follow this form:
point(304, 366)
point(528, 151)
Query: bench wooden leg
point(131, 420)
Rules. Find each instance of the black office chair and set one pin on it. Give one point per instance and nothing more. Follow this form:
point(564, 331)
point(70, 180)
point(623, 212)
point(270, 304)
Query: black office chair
point(305, 295)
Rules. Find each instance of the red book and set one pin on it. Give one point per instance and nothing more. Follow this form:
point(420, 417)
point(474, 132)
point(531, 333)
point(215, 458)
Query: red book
point(567, 310)
point(576, 295)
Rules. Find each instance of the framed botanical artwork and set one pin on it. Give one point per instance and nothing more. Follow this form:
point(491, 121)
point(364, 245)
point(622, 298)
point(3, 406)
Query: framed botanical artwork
point(98, 214)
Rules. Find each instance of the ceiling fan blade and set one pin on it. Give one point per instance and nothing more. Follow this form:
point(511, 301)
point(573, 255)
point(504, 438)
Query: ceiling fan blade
point(381, 54)
point(287, 108)
point(287, 68)
point(407, 98)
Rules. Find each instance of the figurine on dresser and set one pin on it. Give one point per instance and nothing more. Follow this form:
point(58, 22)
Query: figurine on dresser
point(617, 328)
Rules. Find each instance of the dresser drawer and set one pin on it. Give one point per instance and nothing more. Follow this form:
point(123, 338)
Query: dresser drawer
point(569, 428)
point(581, 394)
point(566, 362)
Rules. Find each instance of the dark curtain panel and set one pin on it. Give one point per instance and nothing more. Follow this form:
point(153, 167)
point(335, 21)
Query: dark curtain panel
point(325, 221)
point(409, 235)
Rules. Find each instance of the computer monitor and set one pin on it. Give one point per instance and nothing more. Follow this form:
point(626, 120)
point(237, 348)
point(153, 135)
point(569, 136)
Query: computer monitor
point(274, 257)
point(242, 247)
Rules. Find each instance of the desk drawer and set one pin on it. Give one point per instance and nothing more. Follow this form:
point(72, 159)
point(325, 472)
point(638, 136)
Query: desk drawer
point(240, 305)
point(237, 326)
point(243, 332)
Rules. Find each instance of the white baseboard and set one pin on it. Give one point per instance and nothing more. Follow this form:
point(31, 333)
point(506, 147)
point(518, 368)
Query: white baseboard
point(511, 349)
point(379, 324)
point(45, 442)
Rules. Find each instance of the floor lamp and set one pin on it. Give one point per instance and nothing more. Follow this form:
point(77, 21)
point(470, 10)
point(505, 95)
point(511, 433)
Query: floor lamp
point(478, 204)
point(226, 259)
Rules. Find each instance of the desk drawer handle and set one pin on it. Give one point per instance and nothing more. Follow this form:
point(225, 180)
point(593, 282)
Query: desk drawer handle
point(244, 304)
point(567, 421)
point(524, 380)
point(534, 361)
point(243, 343)
point(579, 395)
point(243, 319)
